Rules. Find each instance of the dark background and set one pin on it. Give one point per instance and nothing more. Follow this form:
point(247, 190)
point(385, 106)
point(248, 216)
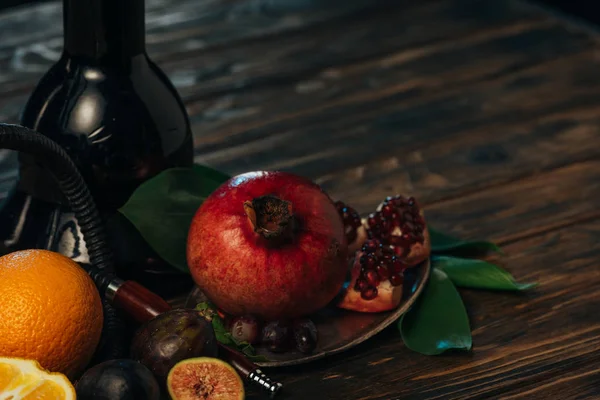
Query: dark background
point(586, 9)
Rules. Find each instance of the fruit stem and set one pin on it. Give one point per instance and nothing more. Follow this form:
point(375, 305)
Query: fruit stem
point(270, 217)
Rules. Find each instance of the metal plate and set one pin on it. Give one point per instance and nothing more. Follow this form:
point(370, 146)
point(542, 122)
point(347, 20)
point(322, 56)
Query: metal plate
point(340, 330)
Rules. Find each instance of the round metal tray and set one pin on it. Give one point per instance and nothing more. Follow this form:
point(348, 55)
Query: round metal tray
point(340, 330)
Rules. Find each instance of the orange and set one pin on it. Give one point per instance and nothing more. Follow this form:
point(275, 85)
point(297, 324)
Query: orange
point(50, 311)
point(25, 380)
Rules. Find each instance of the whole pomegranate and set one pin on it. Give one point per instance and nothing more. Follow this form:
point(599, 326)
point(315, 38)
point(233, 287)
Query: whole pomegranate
point(268, 244)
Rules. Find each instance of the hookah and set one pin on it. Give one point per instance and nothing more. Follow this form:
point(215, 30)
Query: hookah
point(129, 296)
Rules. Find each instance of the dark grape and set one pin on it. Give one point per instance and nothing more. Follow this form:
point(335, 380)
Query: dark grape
point(305, 335)
point(245, 329)
point(276, 336)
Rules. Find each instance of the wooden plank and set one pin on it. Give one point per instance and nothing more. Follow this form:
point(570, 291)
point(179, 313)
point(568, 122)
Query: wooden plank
point(434, 147)
point(174, 27)
point(536, 345)
point(287, 57)
point(447, 143)
point(434, 97)
point(441, 28)
point(525, 207)
point(365, 36)
point(475, 159)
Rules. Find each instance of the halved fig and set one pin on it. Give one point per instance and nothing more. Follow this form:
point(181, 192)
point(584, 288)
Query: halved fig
point(204, 378)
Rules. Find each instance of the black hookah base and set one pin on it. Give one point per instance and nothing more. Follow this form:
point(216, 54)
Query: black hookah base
point(27, 222)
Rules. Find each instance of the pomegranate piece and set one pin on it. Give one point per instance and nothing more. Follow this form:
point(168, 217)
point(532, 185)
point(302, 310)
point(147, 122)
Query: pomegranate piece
point(399, 222)
point(376, 279)
point(356, 233)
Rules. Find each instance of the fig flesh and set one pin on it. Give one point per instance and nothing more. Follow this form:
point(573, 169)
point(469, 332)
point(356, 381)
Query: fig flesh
point(120, 379)
point(171, 337)
point(204, 378)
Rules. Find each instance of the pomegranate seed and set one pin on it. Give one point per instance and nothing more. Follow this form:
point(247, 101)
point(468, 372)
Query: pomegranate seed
point(397, 241)
point(369, 293)
point(350, 218)
point(398, 265)
point(373, 220)
point(387, 211)
point(371, 261)
point(396, 279)
point(360, 285)
point(386, 249)
point(372, 244)
point(401, 251)
point(386, 225)
point(399, 201)
point(383, 272)
point(372, 278)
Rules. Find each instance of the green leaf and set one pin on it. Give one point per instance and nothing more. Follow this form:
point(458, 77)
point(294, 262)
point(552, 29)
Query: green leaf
point(162, 208)
point(478, 274)
point(440, 242)
point(438, 321)
point(223, 335)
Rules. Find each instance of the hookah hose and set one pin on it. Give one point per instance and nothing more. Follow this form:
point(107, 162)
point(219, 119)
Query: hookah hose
point(134, 299)
point(101, 268)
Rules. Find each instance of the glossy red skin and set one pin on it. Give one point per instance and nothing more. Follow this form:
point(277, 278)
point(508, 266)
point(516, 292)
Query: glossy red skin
point(241, 274)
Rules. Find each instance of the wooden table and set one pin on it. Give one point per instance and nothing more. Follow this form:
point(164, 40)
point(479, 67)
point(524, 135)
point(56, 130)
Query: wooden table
point(488, 111)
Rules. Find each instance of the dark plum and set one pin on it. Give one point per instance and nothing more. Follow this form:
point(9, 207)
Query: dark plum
point(305, 335)
point(277, 336)
point(120, 379)
point(171, 337)
point(245, 329)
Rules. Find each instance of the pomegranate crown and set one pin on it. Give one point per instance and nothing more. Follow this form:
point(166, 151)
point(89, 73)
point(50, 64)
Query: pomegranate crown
point(270, 216)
